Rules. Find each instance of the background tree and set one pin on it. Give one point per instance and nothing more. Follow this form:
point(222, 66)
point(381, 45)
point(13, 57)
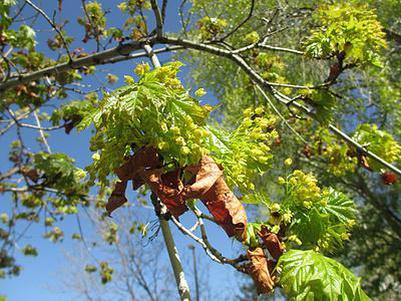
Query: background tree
point(301, 85)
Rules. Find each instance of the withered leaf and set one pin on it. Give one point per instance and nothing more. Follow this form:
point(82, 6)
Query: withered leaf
point(206, 174)
point(272, 242)
point(259, 270)
point(167, 187)
point(117, 197)
point(211, 188)
point(145, 158)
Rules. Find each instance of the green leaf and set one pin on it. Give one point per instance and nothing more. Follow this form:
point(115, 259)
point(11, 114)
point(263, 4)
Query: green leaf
point(308, 275)
point(25, 37)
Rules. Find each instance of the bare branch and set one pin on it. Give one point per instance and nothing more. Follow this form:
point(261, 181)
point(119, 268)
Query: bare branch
point(233, 262)
point(9, 173)
point(344, 136)
point(42, 134)
point(267, 47)
point(188, 232)
point(35, 127)
point(242, 23)
point(164, 9)
point(141, 54)
point(158, 17)
point(90, 60)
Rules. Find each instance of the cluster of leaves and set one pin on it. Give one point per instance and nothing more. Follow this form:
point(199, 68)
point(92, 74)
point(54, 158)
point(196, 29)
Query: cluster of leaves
point(24, 37)
point(94, 21)
point(72, 113)
point(211, 27)
point(54, 173)
point(56, 183)
point(271, 67)
point(379, 142)
point(323, 103)
point(308, 275)
point(59, 171)
point(136, 23)
point(311, 221)
point(156, 111)
point(313, 217)
point(349, 28)
point(307, 215)
point(105, 271)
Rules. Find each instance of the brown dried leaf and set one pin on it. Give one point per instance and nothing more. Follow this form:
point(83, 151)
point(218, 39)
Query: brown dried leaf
point(167, 187)
point(146, 158)
point(117, 198)
point(206, 174)
point(210, 187)
point(335, 71)
point(272, 243)
point(259, 269)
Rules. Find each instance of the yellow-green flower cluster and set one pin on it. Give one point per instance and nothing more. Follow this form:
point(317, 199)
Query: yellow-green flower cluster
point(271, 68)
point(378, 142)
point(187, 141)
point(302, 188)
point(249, 148)
point(251, 38)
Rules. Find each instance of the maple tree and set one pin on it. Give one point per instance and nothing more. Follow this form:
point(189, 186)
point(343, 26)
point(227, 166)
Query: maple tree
point(306, 131)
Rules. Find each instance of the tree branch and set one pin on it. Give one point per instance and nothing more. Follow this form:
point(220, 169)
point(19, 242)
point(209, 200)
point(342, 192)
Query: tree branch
point(182, 285)
point(200, 241)
point(158, 17)
point(125, 49)
point(90, 60)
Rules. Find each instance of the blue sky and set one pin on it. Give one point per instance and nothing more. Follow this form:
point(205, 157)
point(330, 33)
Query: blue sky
point(43, 272)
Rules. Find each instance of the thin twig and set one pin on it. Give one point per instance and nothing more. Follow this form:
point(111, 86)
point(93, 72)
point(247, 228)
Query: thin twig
point(268, 47)
point(242, 23)
point(200, 241)
point(164, 9)
point(233, 262)
point(42, 134)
